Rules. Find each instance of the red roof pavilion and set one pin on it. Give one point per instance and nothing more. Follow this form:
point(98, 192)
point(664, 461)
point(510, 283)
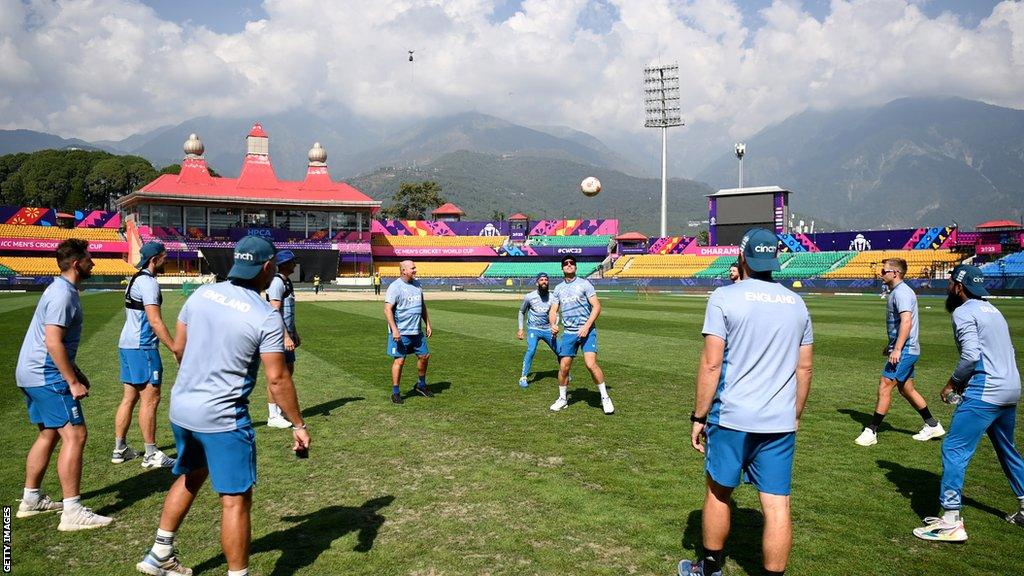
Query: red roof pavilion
point(448, 209)
point(999, 224)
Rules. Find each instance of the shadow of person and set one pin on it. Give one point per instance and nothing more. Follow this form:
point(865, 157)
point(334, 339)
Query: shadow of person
point(324, 408)
point(537, 376)
point(743, 545)
point(300, 545)
point(921, 488)
point(132, 490)
point(590, 396)
point(863, 418)
point(435, 387)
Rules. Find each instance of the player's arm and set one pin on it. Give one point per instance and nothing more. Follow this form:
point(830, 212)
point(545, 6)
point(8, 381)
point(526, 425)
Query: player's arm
point(389, 315)
point(426, 316)
point(180, 339)
point(595, 311)
point(906, 317)
point(283, 391)
point(522, 311)
point(804, 372)
point(965, 329)
point(708, 372)
point(553, 316)
point(53, 337)
point(156, 322)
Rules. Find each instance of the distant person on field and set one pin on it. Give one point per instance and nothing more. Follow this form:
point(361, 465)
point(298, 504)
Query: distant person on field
point(281, 295)
point(142, 369)
point(901, 351)
point(735, 274)
point(225, 331)
point(404, 309)
point(752, 384)
point(577, 301)
point(988, 382)
point(376, 283)
point(53, 387)
point(316, 284)
point(535, 308)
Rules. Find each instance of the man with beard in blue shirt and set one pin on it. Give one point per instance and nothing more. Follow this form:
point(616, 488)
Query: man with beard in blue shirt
point(535, 306)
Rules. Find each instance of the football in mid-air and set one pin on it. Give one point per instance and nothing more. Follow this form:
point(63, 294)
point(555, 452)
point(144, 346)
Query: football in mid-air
point(590, 186)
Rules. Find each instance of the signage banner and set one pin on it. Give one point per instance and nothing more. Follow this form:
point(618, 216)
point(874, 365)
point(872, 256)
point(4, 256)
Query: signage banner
point(432, 251)
point(712, 250)
point(50, 245)
point(989, 249)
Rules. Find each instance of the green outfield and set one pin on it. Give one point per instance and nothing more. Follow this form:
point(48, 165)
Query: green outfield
point(483, 479)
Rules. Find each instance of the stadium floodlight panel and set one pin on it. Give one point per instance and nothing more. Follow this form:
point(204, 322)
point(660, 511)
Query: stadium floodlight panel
point(661, 97)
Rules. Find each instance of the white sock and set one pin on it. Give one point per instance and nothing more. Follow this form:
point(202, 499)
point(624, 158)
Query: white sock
point(273, 410)
point(242, 572)
point(603, 390)
point(31, 495)
point(951, 516)
point(72, 504)
point(163, 545)
point(563, 392)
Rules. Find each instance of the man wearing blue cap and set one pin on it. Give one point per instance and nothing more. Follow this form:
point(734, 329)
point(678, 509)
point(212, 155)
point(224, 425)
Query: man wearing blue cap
point(752, 383)
point(225, 330)
point(281, 296)
point(535, 306)
point(141, 367)
point(987, 384)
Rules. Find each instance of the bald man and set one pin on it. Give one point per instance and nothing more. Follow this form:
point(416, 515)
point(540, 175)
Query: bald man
point(404, 309)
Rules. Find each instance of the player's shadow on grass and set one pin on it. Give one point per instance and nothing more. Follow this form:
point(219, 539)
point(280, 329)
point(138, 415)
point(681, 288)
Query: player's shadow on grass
point(589, 395)
point(863, 418)
point(921, 487)
point(132, 490)
point(324, 408)
point(300, 545)
point(743, 545)
point(435, 387)
point(538, 376)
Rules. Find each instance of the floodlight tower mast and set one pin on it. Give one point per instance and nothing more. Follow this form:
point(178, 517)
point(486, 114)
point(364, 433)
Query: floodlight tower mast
point(740, 149)
point(661, 107)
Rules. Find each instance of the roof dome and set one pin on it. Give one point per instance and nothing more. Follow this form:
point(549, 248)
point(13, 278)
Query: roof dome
point(193, 146)
point(317, 154)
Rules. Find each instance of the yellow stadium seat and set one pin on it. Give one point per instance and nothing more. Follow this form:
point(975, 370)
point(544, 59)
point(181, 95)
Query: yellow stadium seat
point(47, 266)
point(659, 266)
point(438, 269)
point(438, 241)
point(920, 263)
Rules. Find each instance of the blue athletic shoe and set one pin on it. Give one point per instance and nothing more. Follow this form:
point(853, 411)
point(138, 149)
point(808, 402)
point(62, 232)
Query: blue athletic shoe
point(523, 383)
point(689, 568)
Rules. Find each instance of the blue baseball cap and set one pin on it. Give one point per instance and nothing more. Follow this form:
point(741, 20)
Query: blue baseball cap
point(759, 248)
point(972, 278)
point(148, 251)
point(540, 275)
point(251, 253)
point(285, 256)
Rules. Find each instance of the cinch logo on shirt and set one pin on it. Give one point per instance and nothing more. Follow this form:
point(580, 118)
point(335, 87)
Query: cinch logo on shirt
point(225, 301)
point(769, 298)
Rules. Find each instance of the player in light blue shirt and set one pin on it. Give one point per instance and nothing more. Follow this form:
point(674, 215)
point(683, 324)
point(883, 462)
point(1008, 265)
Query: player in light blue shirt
point(901, 351)
point(281, 295)
point(988, 381)
point(224, 331)
point(577, 301)
point(752, 385)
point(53, 386)
point(404, 310)
point(141, 367)
point(535, 308)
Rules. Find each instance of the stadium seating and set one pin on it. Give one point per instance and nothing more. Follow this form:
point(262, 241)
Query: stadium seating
point(47, 266)
point(437, 269)
point(660, 266)
point(570, 241)
point(56, 233)
point(1011, 265)
point(868, 264)
point(5, 271)
point(811, 264)
point(531, 269)
point(718, 269)
point(438, 241)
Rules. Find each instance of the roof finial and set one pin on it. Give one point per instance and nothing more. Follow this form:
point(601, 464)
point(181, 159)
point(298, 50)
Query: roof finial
point(317, 155)
point(193, 146)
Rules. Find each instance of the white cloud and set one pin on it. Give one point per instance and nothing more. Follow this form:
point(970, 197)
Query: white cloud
point(108, 68)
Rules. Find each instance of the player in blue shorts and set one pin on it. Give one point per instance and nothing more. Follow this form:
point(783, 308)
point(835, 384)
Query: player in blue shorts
point(53, 387)
point(988, 382)
point(901, 351)
point(281, 295)
point(752, 384)
point(141, 367)
point(404, 309)
point(535, 307)
point(225, 331)
point(577, 300)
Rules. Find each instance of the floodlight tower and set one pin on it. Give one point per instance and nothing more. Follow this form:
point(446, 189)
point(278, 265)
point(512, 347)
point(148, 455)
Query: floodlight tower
point(740, 149)
point(661, 106)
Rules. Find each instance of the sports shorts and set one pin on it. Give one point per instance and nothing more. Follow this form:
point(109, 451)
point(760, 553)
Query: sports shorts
point(903, 371)
point(141, 366)
point(766, 459)
point(571, 343)
point(405, 345)
point(52, 405)
point(229, 456)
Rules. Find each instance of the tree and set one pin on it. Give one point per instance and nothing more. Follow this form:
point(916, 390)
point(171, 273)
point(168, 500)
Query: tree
point(176, 169)
point(414, 201)
point(497, 215)
point(702, 238)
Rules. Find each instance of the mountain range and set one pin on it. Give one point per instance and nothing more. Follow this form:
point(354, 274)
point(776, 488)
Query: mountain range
point(911, 162)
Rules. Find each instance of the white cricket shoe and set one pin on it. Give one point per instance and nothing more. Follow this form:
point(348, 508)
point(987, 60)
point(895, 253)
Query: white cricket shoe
point(524, 383)
point(169, 566)
point(157, 460)
point(81, 518)
point(278, 422)
point(43, 504)
point(929, 432)
point(939, 530)
point(559, 404)
point(607, 406)
point(867, 438)
point(123, 455)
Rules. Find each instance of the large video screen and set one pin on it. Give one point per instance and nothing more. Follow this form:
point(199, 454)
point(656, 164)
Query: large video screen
point(731, 234)
point(744, 209)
